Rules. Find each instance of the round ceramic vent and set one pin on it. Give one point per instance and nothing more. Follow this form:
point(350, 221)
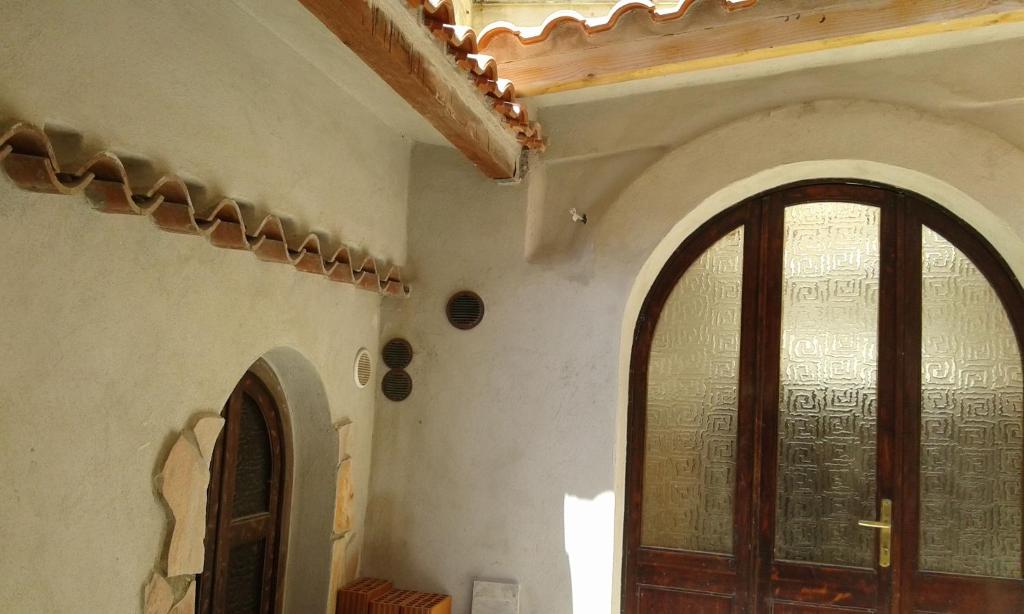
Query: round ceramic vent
point(363, 368)
point(396, 385)
point(465, 310)
point(397, 353)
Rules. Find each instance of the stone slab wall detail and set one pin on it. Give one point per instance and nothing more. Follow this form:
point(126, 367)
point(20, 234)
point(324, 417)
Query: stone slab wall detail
point(344, 551)
point(495, 597)
point(183, 482)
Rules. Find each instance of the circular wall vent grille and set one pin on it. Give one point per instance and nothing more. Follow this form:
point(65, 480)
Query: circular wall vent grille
point(397, 353)
point(465, 310)
point(396, 385)
point(363, 368)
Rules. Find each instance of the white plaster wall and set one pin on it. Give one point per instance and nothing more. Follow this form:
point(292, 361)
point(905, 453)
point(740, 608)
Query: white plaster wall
point(507, 460)
point(114, 333)
point(204, 89)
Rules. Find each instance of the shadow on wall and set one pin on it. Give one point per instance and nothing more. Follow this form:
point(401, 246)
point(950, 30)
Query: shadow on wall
point(315, 445)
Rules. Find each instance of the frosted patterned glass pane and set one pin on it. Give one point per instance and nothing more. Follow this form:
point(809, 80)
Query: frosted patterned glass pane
point(828, 397)
point(971, 442)
point(254, 468)
point(690, 458)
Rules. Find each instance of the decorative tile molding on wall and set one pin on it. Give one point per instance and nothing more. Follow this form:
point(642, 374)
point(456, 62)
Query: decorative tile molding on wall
point(344, 552)
point(28, 158)
point(183, 482)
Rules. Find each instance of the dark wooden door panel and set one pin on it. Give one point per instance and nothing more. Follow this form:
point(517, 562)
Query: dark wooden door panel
point(822, 585)
point(951, 594)
point(704, 573)
point(655, 600)
point(782, 607)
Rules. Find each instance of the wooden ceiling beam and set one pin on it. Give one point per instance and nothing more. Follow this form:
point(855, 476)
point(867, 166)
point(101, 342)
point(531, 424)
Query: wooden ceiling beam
point(636, 45)
point(392, 42)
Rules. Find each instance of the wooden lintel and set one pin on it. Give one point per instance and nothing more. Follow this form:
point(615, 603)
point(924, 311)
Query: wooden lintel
point(403, 62)
point(573, 56)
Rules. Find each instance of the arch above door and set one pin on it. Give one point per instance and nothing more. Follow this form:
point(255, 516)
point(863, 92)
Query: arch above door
point(758, 573)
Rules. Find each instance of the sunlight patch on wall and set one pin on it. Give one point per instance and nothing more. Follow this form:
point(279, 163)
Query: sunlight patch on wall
point(589, 544)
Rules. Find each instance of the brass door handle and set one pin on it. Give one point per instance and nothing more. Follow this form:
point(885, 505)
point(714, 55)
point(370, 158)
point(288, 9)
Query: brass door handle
point(884, 525)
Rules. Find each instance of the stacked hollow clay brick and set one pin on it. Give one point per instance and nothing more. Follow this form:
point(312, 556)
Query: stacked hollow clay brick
point(376, 596)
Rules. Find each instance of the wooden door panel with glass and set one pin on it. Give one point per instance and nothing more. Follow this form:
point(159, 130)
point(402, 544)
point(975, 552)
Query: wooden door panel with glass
point(962, 431)
point(825, 404)
point(776, 395)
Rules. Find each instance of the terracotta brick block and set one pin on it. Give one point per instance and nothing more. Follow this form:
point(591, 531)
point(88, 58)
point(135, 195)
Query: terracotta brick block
point(411, 602)
point(428, 603)
point(391, 602)
point(357, 596)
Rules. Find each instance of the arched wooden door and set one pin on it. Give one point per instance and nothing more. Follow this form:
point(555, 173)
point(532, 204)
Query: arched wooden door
point(825, 414)
point(247, 506)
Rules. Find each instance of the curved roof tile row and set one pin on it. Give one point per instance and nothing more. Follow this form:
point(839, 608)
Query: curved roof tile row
point(27, 156)
point(461, 42)
point(594, 25)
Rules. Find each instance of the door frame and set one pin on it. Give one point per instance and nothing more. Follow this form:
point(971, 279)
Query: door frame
point(748, 570)
point(259, 383)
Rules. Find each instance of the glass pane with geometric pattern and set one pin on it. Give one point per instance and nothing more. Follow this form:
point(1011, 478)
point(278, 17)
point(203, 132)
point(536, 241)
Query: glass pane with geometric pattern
point(255, 465)
point(971, 420)
point(692, 394)
point(828, 391)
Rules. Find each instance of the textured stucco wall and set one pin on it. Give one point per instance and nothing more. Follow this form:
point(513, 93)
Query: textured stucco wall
point(507, 460)
point(115, 333)
point(206, 90)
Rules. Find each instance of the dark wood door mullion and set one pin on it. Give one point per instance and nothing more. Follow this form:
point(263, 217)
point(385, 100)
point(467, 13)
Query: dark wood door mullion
point(767, 385)
point(902, 317)
point(224, 537)
point(889, 324)
point(908, 401)
point(747, 474)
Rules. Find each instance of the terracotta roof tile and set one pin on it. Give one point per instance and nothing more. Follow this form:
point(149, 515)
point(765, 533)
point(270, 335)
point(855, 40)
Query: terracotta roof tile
point(461, 42)
point(594, 25)
point(28, 158)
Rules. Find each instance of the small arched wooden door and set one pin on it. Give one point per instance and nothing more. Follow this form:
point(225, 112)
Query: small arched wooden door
point(247, 506)
point(826, 412)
